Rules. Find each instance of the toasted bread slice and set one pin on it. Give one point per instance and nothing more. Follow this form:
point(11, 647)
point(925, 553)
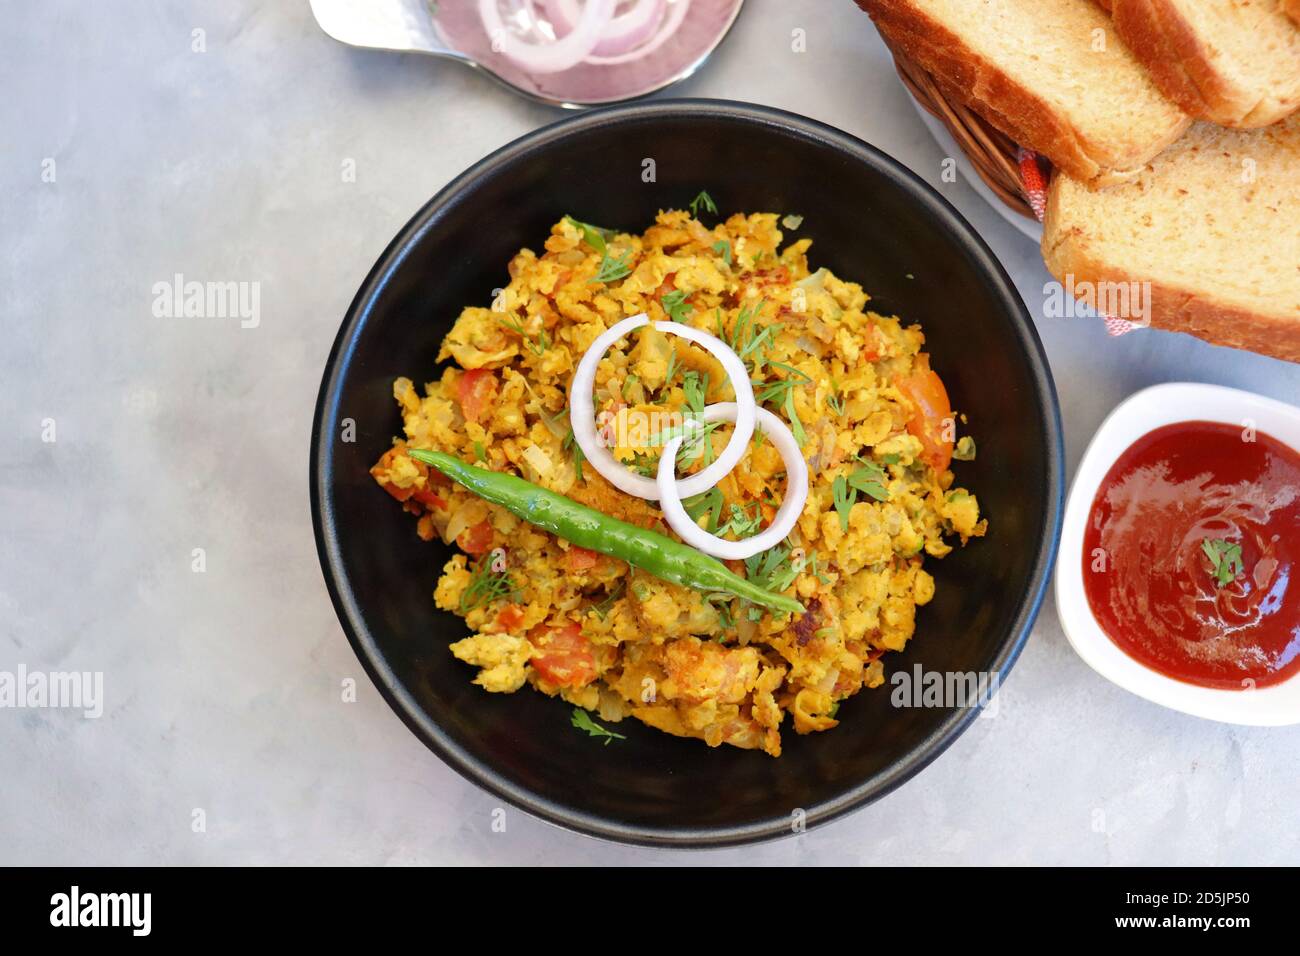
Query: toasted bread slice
point(1049, 73)
point(1234, 62)
point(1213, 224)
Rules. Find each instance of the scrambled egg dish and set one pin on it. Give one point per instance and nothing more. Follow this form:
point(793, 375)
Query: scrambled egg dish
point(876, 429)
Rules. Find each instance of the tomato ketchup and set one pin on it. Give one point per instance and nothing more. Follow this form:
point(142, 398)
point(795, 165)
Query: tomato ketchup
point(1189, 551)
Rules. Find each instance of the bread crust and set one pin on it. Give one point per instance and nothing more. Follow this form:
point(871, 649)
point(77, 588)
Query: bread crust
point(1174, 308)
point(1292, 8)
point(1018, 111)
point(1179, 60)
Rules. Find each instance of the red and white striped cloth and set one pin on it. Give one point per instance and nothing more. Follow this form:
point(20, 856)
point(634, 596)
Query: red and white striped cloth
point(1035, 183)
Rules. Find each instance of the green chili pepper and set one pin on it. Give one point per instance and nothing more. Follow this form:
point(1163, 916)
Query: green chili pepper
point(588, 528)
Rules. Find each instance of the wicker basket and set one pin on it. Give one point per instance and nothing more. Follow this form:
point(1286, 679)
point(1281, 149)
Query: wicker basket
point(993, 154)
point(1017, 176)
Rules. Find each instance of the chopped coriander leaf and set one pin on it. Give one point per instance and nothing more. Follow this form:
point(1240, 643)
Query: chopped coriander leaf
point(694, 434)
point(582, 720)
point(570, 444)
point(796, 426)
point(773, 570)
point(810, 565)
point(643, 465)
point(747, 339)
point(964, 450)
point(703, 200)
point(780, 392)
point(709, 501)
point(698, 444)
point(891, 459)
point(480, 453)
point(611, 269)
point(558, 423)
point(594, 236)
point(674, 304)
point(695, 385)
point(485, 586)
point(737, 337)
point(722, 604)
point(630, 382)
point(741, 523)
point(845, 497)
point(871, 489)
point(606, 604)
point(723, 247)
point(798, 377)
point(871, 480)
point(776, 389)
point(835, 401)
point(672, 370)
point(759, 341)
point(1225, 559)
point(536, 346)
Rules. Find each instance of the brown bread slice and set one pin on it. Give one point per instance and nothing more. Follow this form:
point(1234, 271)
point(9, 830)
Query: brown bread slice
point(1213, 224)
point(1049, 73)
point(1234, 62)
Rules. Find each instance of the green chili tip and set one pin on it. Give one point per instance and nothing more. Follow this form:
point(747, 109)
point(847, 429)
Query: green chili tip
point(655, 553)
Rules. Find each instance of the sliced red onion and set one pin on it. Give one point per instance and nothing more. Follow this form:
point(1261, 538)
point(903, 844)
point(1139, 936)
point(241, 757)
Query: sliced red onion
point(676, 13)
point(547, 56)
point(796, 492)
point(582, 412)
point(627, 31)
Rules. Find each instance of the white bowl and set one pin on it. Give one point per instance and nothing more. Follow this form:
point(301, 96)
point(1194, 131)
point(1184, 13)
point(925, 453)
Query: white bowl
point(1149, 409)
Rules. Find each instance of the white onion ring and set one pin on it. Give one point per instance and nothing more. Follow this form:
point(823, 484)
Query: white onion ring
point(549, 57)
point(582, 412)
point(626, 31)
point(671, 21)
point(796, 492)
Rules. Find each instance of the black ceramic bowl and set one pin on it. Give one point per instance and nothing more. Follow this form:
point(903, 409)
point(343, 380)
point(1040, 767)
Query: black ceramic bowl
point(871, 221)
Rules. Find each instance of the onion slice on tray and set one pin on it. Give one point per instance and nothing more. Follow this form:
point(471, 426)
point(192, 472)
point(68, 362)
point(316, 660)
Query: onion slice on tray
point(625, 32)
point(574, 32)
point(796, 492)
point(671, 21)
point(549, 56)
point(582, 412)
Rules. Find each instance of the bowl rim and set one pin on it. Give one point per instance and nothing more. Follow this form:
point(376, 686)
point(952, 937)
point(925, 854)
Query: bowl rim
point(327, 412)
point(1138, 415)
